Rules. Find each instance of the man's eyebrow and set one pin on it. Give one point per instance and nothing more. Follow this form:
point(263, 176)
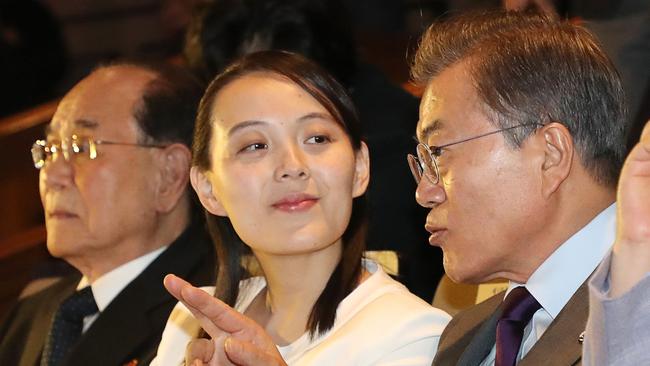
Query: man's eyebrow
point(80, 123)
point(429, 129)
point(86, 123)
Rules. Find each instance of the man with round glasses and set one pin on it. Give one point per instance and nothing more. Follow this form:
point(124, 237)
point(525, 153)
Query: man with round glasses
point(114, 168)
point(522, 135)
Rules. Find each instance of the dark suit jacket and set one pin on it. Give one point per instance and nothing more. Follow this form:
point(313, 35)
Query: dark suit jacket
point(129, 328)
point(471, 334)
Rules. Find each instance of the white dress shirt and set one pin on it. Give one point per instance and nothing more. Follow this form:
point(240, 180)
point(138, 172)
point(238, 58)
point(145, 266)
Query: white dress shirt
point(109, 285)
point(562, 273)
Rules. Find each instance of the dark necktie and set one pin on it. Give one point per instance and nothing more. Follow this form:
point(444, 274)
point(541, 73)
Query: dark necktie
point(67, 325)
point(518, 308)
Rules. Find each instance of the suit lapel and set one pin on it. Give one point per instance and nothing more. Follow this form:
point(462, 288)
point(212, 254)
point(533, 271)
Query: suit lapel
point(470, 334)
point(51, 299)
point(131, 326)
point(482, 342)
point(118, 337)
point(559, 345)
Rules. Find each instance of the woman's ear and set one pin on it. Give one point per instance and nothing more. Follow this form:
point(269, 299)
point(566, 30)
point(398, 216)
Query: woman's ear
point(203, 187)
point(361, 171)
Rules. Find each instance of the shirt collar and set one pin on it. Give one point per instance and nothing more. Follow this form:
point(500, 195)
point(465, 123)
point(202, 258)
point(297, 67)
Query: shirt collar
point(109, 285)
point(561, 274)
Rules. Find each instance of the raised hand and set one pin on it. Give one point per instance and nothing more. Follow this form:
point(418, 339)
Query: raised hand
point(631, 259)
point(236, 339)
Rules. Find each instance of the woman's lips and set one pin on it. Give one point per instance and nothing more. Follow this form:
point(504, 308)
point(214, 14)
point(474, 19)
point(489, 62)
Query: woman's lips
point(295, 203)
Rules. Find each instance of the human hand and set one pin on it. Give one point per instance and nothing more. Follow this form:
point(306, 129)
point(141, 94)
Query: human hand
point(634, 195)
point(631, 252)
point(236, 339)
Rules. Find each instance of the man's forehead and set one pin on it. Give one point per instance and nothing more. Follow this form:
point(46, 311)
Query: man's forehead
point(112, 86)
point(107, 98)
point(429, 121)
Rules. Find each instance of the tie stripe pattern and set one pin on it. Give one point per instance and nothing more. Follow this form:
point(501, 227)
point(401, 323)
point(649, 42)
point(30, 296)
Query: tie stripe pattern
point(67, 325)
point(518, 308)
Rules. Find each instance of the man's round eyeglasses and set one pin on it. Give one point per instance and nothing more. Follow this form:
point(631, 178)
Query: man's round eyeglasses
point(75, 147)
point(426, 163)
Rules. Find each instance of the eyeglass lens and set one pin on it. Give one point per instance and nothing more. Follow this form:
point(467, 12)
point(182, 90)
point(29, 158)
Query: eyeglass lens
point(415, 167)
point(43, 151)
point(428, 165)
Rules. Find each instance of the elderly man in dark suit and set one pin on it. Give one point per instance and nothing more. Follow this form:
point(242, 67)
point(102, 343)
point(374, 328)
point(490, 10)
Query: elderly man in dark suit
point(114, 185)
point(522, 136)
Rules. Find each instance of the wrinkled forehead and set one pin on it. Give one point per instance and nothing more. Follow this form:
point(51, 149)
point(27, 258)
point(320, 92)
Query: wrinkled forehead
point(429, 121)
point(104, 102)
point(450, 105)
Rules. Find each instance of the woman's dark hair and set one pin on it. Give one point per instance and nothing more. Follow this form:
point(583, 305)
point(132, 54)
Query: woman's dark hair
point(223, 30)
point(329, 93)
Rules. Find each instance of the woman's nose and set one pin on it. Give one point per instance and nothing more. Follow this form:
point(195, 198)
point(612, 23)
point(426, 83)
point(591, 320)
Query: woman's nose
point(292, 164)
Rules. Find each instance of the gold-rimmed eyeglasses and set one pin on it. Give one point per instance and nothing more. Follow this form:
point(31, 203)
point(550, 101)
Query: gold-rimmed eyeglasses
point(426, 161)
point(75, 147)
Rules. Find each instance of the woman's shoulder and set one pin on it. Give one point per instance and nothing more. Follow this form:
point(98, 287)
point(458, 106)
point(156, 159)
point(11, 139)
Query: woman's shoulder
point(389, 303)
point(382, 322)
point(249, 288)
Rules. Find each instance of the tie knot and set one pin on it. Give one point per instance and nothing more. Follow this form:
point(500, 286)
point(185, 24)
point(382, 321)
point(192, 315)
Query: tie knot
point(519, 306)
point(78, 305)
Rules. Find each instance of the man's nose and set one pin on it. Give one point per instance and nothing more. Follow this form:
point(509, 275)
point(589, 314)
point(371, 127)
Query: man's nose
point(57, 172)
point(428, 194)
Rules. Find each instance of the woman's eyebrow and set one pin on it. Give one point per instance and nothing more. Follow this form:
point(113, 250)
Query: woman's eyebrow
point(315, 115)
point(245, 124)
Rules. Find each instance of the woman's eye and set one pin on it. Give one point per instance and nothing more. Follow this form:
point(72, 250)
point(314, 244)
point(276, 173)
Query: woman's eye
point(254, 147)
point(318, 139)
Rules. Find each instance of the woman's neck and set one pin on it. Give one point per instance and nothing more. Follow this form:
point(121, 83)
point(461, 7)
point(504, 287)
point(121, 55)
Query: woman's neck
point(294, 283)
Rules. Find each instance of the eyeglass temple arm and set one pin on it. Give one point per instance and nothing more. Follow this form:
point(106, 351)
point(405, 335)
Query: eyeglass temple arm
point(436, 149)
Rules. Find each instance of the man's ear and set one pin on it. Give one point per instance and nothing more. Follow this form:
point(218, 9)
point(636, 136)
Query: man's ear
point(558, 156)
point(203, 187)
point(361, 171)
point(173, 164)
